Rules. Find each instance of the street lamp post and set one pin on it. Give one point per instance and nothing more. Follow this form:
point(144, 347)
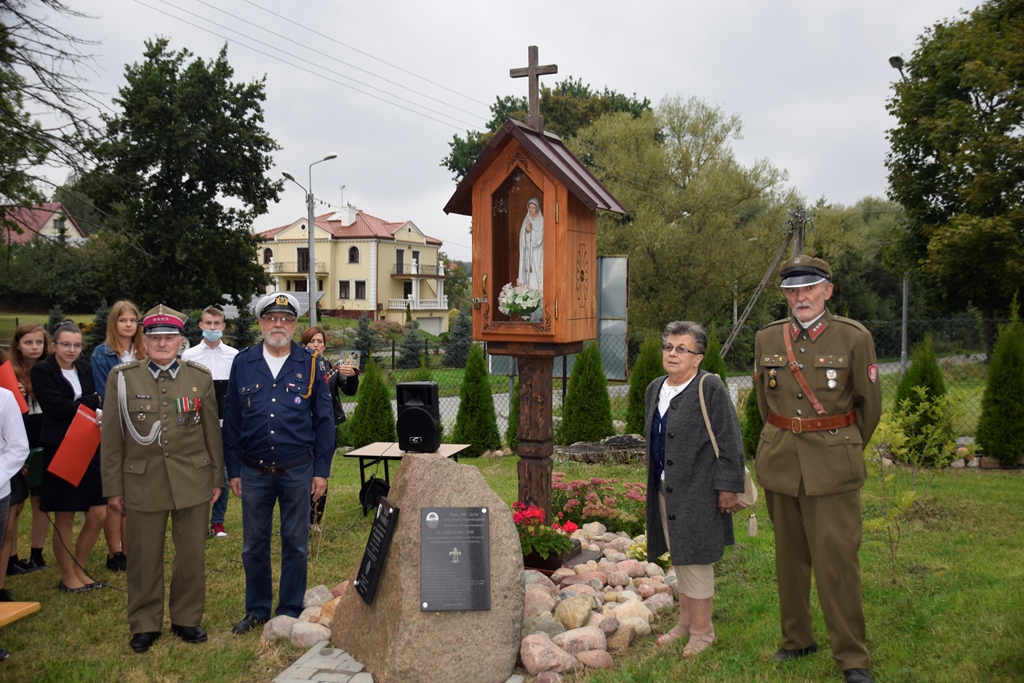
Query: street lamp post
point(897, 62)
point(311, 235)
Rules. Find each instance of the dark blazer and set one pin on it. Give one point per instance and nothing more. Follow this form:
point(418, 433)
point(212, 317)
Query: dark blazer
point(56, 398)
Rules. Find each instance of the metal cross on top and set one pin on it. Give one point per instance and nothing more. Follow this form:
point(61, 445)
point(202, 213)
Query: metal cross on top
point(533, 71)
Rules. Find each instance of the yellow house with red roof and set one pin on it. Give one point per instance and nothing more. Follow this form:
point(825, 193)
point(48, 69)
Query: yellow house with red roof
point(363, 264)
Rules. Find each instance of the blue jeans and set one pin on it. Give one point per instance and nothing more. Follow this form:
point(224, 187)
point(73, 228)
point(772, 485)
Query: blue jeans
point(259, 493)
point(220, 508)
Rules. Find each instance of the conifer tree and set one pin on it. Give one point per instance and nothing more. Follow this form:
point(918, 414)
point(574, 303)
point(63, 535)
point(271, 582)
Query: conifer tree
point(244, 331)
point(1002, 406)
point(460, 338)
point(410, 350)
point(924, 372)
point(752, 424)
point(512, 430)
point(364, 341)
point(476, 423)
point(97, 334)
point(587, 413)
point(55, 318)
point(647, 368)
point(713, 362)
point(373, 419)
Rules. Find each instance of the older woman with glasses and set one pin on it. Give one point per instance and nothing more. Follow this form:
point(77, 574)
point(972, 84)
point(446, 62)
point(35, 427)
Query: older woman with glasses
point(691, 492)
point(62, 382)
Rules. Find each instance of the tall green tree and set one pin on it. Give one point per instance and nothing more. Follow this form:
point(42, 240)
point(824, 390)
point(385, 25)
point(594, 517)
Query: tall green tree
point(567, 107)
point(475, 422)
point(456, 284)
point(181, 168)
point(956, 162)
point(1002, 406)
point(702, 227)
point(647, 368)
point(373, 419)
point(460, 338)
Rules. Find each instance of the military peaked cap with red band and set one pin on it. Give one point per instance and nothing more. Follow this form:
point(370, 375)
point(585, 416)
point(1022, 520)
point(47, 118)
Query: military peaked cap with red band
point(163, 320)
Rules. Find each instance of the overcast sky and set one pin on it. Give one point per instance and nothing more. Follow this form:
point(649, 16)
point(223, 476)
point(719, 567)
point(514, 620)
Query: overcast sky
point(809, 79)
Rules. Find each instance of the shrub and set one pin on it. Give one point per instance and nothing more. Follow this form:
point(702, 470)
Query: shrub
point(713, 362)
point(422, 373)
point(1002, 406)
point(512, 430)
point(587, 413)
point(460, 338)
point(923, 372)
point(410, 350)
point(373, 419)
point(475, 423)
point(647, 368)
point(752, 424)
point(620, 507)
point(97, 333)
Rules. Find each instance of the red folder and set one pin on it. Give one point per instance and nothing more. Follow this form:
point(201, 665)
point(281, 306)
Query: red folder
point(8, 380)
point(78, 447)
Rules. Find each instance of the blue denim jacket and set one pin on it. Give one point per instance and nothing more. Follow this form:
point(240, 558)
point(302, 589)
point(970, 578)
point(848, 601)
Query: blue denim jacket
point(103, 359)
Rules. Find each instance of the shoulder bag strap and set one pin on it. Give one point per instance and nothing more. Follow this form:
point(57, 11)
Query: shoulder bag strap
point(704, 412)
point(795, 367)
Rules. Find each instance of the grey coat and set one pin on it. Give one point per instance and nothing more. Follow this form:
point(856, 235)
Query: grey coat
point(693, 476)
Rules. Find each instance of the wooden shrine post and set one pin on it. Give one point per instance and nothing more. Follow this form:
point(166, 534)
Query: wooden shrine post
point(531, 199)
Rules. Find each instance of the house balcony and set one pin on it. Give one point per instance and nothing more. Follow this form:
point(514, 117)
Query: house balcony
point(293, 267)
point(419, 304)
point(406, 270)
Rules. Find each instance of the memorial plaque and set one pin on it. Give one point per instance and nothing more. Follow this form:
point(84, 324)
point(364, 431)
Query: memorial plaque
point(455, 559)
point(376, 550)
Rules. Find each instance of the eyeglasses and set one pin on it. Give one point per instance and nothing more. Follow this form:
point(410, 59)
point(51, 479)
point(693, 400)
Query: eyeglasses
point(681, 350)
point(69, 346)
point(286, 319)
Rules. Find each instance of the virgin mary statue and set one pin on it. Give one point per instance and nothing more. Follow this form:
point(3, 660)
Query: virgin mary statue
point(531, 250)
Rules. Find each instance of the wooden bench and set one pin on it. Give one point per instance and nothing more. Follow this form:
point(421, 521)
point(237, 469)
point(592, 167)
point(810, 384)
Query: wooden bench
point(12, 611)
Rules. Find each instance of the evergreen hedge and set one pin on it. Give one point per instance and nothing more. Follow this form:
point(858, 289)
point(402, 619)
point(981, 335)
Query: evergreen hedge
point(587, 413)
point(373, 419)
point(1001, 425)
point(475, 423)
point(647, 368)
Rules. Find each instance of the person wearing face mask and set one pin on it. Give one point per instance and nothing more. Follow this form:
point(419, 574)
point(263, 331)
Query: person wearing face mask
point(123, 344)
point(216, 355)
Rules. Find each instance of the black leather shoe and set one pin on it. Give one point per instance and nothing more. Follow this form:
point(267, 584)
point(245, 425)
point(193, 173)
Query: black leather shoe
point(190, 634)
point(247, 624)
point(858, 676)
point(786, 655)
point(141, 642)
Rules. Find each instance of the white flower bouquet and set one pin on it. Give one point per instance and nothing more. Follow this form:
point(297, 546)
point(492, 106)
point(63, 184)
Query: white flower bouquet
point(519, 299)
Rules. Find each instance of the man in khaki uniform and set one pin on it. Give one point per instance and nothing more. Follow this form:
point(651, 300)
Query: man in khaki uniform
point(817, 387)
point(161, 453)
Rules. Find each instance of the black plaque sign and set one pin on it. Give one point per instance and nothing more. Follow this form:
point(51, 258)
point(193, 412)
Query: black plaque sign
point(455, 559)
point(376, 550)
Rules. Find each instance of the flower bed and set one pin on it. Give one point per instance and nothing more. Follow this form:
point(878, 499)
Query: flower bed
point(620, 506)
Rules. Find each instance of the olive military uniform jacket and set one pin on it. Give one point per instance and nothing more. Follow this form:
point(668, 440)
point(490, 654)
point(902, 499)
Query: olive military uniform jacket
point(838, 359)
point(185, 463)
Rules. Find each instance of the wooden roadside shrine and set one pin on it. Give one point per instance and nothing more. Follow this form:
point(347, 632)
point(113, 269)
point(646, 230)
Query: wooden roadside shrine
point(551, 245)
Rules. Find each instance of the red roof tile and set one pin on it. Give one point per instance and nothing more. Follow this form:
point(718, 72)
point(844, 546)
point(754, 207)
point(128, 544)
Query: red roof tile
point(365, 226)
point(33, 219)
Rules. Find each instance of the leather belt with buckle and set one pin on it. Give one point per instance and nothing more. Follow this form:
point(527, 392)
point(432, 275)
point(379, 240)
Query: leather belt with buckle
point(798, 425)
point(274, 469)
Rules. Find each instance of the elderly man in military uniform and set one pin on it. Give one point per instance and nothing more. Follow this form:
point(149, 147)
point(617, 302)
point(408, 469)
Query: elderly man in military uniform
point(278, 447)
point(817, 390)
point(161, 453)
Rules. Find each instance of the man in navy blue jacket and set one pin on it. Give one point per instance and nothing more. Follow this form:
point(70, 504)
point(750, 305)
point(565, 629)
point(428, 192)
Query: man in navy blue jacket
point(278, 447)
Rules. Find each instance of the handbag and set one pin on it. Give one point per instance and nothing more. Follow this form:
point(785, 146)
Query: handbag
point(749, 495)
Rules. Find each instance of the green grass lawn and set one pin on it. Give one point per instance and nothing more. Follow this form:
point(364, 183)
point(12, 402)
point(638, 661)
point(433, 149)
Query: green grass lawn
point(955, 614)
point(10, 321)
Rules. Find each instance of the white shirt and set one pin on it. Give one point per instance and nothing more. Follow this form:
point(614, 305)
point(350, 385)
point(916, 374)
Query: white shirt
point(71, 377)
point(669, 392)
point(13, 441)
point(275, 362)
point(215, 358)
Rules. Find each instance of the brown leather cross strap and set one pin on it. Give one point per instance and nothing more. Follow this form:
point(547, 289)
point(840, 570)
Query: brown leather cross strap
point(795, 367)
point(799, 425)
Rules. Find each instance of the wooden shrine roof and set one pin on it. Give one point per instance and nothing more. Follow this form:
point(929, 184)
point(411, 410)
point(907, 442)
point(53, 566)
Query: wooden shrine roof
point(548, 149)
